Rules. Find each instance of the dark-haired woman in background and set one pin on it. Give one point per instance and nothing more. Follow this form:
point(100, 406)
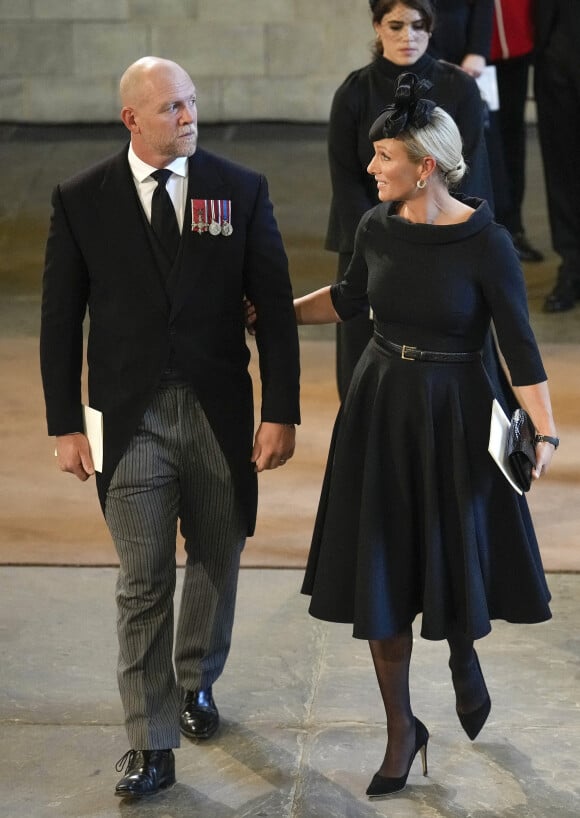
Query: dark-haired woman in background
point(403, 29)
point(415, 516)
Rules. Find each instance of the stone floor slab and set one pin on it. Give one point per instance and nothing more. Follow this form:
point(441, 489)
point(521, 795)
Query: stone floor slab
point(303, 729)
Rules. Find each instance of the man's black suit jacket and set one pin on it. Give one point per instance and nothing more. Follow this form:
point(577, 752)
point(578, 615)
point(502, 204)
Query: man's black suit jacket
point(547, 13)
point(102, 255)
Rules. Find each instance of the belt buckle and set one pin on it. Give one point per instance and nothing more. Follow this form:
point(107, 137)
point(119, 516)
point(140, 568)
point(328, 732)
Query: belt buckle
point(404, 355)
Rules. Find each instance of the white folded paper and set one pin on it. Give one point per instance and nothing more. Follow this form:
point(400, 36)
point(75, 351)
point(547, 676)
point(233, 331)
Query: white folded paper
point(487, 82)
point(93, 420)
point(498, 434)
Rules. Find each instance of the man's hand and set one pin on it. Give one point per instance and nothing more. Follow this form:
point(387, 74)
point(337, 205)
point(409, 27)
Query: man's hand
point(74, 455)
point(473, 64)
point(250, 316)
point(273, 445)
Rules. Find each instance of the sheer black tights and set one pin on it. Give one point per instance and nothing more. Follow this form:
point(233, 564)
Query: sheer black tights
point(468, 681)
point(391, 658)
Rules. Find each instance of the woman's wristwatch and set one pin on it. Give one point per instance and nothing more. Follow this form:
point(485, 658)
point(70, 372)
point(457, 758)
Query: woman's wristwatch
point(555, 441)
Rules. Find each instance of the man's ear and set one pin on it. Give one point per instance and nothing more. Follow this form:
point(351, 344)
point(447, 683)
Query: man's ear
point(128, 119)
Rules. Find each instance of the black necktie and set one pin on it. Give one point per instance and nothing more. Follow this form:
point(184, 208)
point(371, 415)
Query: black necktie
point(163, 218)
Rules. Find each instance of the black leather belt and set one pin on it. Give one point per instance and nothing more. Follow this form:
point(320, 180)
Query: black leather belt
point(172, 377)
point(409, 353)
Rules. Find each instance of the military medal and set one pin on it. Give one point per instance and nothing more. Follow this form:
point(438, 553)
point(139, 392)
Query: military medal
point(199, 215)
point(214, 227)
point(213, 218)
point(227, 228)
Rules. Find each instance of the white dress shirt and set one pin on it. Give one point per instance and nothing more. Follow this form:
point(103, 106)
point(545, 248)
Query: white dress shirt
point(145, 184)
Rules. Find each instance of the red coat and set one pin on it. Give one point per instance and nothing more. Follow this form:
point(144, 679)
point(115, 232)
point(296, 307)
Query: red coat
point(512, 29)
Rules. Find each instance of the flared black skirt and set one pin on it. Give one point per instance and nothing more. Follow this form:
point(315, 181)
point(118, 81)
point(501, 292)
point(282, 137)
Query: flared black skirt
point(415, 516)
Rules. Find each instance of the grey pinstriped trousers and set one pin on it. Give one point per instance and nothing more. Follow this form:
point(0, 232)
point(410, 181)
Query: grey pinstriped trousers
point(173, 469)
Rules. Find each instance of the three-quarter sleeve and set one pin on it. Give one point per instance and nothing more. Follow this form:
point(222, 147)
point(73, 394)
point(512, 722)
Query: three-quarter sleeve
point(505, 291)
point(350, 296)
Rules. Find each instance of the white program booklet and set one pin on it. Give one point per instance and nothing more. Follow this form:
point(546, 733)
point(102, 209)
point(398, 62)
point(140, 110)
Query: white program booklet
point(487, 82)
point(498, 433)
point(94, 431)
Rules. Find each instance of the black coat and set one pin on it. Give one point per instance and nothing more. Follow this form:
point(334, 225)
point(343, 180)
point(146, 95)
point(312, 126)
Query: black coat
point(101, 254)
point(461, 27)
point(358, 102)
point(563, 14)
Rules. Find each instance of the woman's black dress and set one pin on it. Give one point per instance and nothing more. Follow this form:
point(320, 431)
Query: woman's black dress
point(415, 516)
point(355, 106)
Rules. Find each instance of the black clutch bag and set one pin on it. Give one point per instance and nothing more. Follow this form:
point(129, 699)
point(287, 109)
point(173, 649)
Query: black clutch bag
point(521, 449)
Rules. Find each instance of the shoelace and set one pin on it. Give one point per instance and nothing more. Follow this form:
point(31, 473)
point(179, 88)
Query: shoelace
point(126, 761)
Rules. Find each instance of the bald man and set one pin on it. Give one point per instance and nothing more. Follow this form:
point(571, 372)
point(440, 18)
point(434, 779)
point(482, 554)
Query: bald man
point(163, 261)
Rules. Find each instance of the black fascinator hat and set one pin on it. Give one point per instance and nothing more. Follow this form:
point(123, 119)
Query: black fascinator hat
point(409, 110)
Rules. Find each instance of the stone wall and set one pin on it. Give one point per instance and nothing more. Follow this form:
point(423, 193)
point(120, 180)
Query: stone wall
point(60, 60)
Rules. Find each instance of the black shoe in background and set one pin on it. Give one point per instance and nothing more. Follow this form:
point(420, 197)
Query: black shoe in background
point(563, 297)
point(524, 249)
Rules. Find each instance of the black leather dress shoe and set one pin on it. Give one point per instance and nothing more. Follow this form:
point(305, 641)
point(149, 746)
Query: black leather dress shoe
point(199, 717)
point(562, 298)
point(524, 249)
point(146, 772)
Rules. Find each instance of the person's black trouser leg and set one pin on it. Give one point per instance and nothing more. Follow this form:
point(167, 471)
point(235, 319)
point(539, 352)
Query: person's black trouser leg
point(512, 82)
point(557, 88)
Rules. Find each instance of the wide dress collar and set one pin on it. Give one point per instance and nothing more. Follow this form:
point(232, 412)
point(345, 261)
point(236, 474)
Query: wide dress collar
point(405, 230)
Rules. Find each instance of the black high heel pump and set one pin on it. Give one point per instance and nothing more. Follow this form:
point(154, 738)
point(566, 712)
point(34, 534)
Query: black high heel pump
point(473, 722)
point(382, 786)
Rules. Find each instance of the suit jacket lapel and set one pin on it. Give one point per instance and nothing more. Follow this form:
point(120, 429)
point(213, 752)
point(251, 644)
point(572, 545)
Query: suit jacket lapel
point(125, 224)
